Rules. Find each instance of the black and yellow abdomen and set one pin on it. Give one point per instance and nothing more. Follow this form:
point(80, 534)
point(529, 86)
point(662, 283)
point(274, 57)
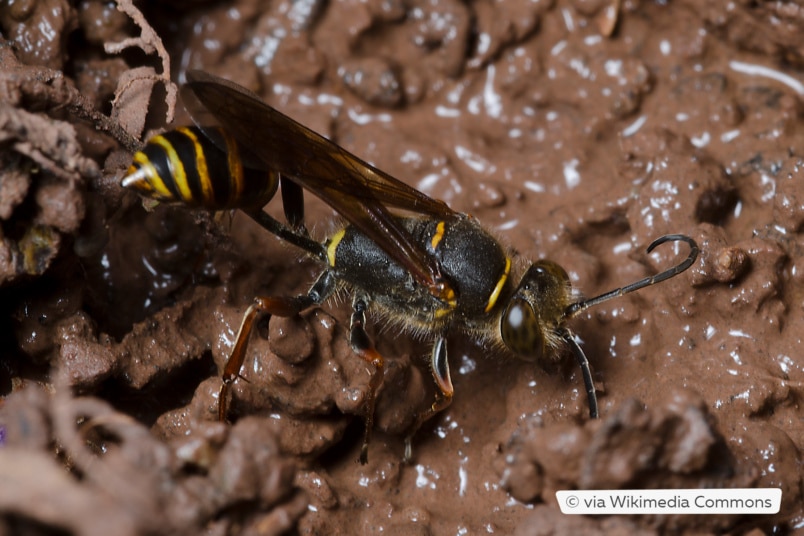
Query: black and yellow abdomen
point(185, 166)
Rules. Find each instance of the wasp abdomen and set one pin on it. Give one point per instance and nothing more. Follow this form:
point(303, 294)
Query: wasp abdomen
point(186, 166)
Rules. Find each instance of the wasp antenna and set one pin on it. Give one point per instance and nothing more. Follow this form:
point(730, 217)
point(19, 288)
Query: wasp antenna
point(580, 306)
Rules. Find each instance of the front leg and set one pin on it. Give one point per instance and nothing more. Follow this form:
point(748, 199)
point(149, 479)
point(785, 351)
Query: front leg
point(586, 372)
point(362, 345)
point(279, 306)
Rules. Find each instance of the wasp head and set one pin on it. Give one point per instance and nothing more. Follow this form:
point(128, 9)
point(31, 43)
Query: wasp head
point(529, 324)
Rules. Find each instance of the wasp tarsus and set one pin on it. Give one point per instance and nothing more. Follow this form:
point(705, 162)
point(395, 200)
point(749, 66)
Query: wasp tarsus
point(432, 272)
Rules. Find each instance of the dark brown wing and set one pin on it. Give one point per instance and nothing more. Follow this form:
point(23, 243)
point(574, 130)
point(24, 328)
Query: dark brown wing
point(358, 191)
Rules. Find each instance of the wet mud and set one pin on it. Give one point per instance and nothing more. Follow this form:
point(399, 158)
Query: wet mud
point(575, 130)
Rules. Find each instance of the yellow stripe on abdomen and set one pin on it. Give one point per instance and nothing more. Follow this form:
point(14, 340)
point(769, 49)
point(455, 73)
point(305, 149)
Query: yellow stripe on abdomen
point(151, 177)
point(204, 179)
point(235, 165)
point(176, 167)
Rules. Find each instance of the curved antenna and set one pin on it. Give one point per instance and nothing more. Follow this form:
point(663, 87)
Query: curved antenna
point(581, 306)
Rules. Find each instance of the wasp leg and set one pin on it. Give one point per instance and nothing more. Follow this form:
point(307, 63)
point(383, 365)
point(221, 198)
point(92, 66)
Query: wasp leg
point(362, 345)
point(443, 398)
point(293, 204)
point(299, 239)
point(270, 306)
point(585, 371)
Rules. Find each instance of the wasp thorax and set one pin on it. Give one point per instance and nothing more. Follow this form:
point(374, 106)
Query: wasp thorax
point(536, 310)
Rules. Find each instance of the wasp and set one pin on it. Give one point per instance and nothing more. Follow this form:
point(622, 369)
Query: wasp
point(402, 254)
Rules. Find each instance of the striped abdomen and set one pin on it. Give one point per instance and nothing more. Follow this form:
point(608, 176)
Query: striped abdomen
point(185, 166)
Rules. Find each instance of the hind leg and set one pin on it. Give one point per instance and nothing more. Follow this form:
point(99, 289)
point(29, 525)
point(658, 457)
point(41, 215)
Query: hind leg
point(362, 345)
point(267, 306)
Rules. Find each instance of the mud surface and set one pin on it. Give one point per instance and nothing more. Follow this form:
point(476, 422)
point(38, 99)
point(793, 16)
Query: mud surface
point(576, 130)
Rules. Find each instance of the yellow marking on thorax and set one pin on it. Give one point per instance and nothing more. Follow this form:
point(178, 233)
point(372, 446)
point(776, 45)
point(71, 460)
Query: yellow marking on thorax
point(441, 313)
point(439, 234)
point(151, 177)
point(495, 294)
point(200, 164)
point(333, 246)
point(176, 167)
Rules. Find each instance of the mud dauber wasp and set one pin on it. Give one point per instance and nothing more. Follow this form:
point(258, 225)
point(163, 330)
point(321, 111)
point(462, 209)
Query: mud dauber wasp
point(431, 271)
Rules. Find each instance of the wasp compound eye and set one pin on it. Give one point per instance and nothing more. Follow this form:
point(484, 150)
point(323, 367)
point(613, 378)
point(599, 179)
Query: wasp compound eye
point(521, 331)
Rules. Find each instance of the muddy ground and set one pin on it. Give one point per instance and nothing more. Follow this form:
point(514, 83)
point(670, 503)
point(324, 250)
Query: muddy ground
point(578, 130)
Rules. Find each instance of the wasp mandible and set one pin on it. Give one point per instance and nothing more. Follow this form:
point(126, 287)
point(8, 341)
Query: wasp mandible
point(432, 270)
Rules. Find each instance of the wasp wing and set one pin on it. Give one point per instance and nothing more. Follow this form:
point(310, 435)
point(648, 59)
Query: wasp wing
point(357, 190)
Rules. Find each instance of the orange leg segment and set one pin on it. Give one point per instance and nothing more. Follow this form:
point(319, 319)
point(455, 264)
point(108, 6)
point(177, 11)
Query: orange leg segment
point(279, 306)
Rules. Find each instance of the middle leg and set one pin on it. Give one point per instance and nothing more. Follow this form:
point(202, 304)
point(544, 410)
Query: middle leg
point(439, 366)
